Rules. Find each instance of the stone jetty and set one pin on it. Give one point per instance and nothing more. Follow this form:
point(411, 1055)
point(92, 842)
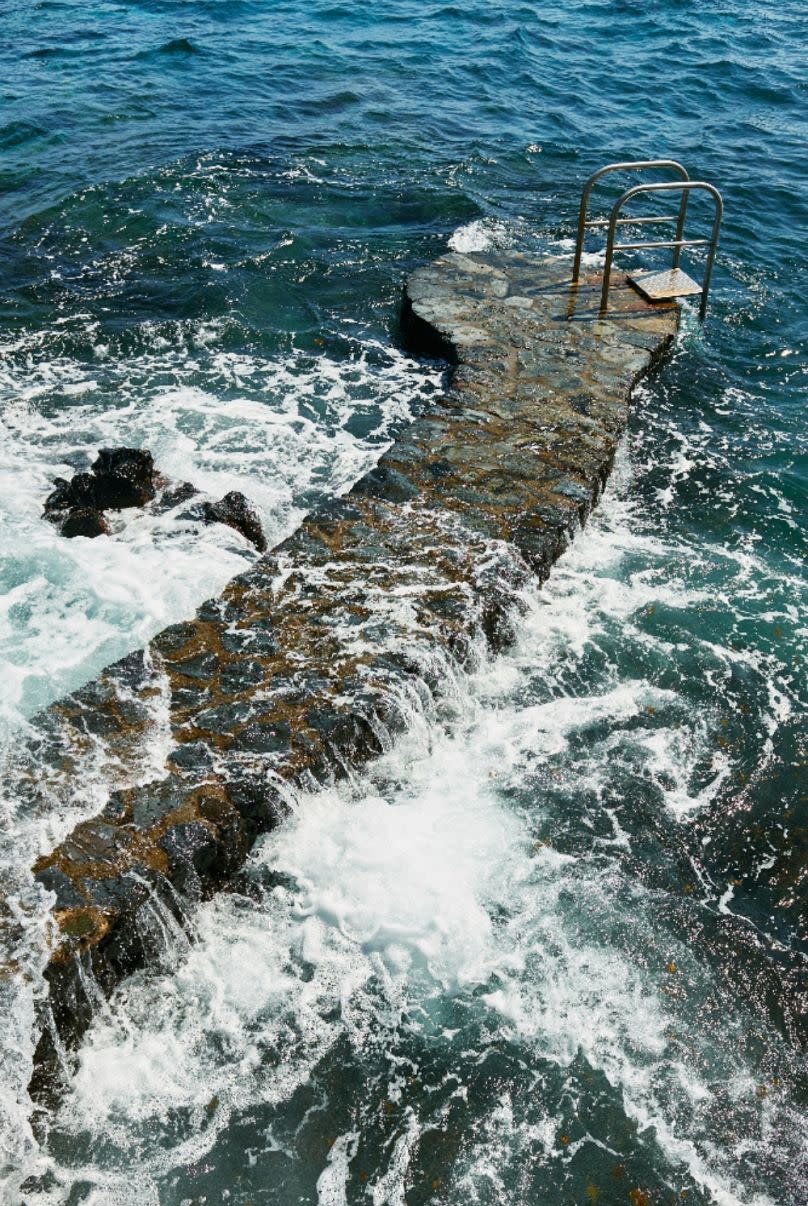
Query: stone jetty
point(308, 664)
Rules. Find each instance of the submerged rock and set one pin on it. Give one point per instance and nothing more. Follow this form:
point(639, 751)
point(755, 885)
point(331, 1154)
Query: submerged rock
point(235, 510)
point(174, 494)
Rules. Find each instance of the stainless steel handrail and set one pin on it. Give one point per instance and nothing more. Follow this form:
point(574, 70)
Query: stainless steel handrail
point(636, 165)
point(661, 243)
point(634, 221)
point(687, 186)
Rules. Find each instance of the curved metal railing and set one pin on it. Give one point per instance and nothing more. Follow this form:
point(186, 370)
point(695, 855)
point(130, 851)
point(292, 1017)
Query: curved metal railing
point(686, 187)
point(639, 165)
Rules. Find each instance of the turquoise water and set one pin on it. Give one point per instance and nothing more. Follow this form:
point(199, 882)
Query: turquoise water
point(451, 982)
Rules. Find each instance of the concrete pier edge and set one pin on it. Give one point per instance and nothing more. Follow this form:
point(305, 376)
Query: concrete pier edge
point(302, 668)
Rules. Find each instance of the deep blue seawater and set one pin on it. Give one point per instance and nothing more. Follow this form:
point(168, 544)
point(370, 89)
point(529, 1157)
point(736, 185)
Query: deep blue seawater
point(553, 948)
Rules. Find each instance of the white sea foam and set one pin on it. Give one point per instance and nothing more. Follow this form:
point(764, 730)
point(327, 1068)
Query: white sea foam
point(482, 234)
point(424, 886)
point(280, 431)
point(331, 1184)
point(400, 893)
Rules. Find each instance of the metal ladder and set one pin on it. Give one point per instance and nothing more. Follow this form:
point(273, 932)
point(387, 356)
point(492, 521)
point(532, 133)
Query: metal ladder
point(655, 286)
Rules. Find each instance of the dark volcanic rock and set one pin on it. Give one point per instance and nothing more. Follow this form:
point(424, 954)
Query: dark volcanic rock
point(174, 494)
point(124, 477)
point(84, 521)
point(120, 477)
point(79, 492)
point(236, 512)
point(193, 854)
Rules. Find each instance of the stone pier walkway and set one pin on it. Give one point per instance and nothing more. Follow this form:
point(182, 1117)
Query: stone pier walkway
point(307, 664)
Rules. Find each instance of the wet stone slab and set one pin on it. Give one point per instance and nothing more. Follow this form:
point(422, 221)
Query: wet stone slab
point(309, 663)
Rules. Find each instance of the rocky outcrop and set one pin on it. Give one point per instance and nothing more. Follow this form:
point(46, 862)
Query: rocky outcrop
point(120, 478)
point(310, 662)
point(235, 511)
point(124, 477)
point(84, 521)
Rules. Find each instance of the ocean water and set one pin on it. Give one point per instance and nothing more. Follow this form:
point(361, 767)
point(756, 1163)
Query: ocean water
point(552, 948)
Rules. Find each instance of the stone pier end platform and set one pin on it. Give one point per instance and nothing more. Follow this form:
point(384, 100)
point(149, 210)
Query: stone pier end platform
point(309, 663)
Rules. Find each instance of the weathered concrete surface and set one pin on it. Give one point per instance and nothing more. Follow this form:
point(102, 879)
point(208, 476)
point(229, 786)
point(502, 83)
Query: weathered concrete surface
point(307, 664)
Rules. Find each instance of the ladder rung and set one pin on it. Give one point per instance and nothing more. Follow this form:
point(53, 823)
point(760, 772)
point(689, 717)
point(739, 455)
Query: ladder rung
point(662, 243)
point(632, 221)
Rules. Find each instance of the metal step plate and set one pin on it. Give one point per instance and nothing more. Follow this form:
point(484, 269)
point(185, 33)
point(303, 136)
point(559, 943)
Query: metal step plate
point(661, 286)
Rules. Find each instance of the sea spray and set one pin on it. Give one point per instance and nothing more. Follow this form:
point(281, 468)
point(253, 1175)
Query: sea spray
point(401, 935)
point(284, 432)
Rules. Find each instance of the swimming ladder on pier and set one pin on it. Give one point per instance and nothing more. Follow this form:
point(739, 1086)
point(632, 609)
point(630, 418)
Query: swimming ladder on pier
point(655, 286)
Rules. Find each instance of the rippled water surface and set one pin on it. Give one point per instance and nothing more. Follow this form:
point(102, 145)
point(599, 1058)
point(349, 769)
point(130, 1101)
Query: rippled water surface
point(551, 949)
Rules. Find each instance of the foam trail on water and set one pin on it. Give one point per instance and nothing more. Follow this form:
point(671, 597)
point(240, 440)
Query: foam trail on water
point(331, 1184)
